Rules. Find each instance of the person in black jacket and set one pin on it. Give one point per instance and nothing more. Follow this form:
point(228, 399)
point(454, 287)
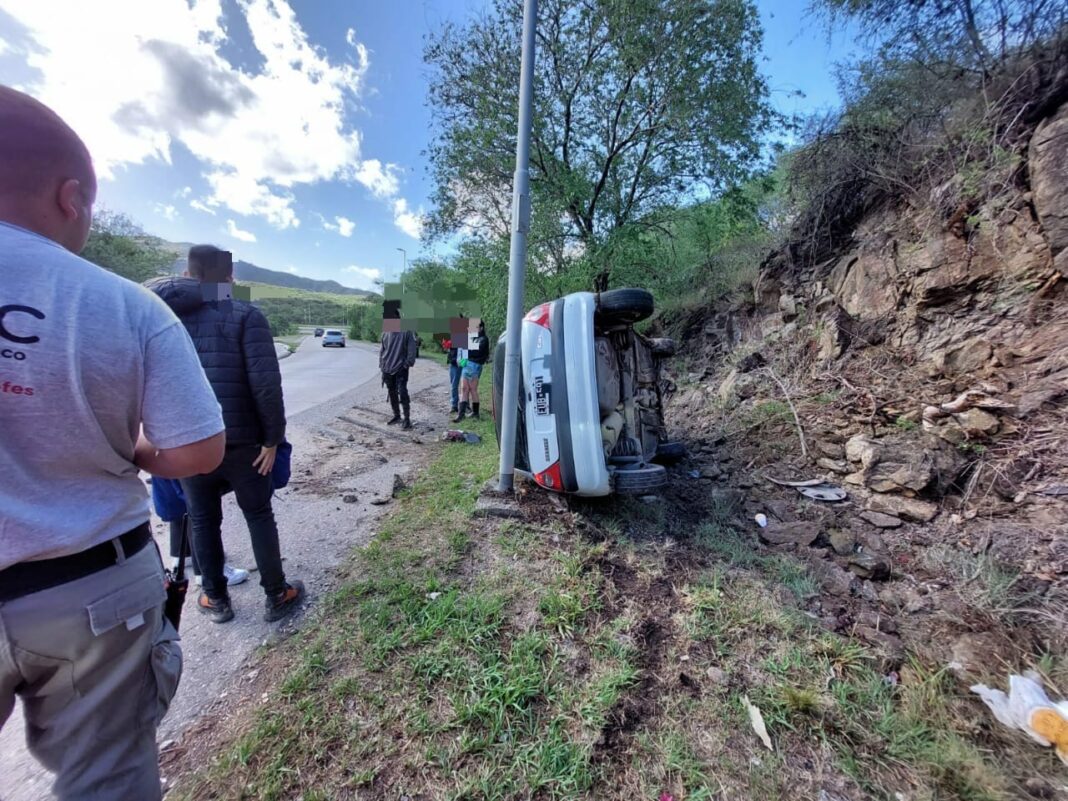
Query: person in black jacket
point(236, 349)
point(476, 356)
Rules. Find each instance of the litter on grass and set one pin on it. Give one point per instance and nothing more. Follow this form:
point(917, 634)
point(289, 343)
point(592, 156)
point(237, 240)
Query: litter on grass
point(756, 720)
point(1029, 709)
point(455, 435)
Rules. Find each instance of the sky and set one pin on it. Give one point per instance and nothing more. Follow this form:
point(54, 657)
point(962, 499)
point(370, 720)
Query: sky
point(291, 132)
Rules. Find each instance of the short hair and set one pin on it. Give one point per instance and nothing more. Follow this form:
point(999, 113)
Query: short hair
point(391, 309)
point(38, 150)
point(206, 263)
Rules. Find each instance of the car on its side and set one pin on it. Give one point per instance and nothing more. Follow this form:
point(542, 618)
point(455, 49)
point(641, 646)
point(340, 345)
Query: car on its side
point(333, 339)
point(590, 414)
point(318, 332)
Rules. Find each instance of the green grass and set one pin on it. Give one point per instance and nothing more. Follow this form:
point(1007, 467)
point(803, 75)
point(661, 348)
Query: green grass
point(504, 660)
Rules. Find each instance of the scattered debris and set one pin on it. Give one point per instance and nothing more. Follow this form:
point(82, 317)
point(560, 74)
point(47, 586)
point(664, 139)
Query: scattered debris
point(761, 520)
point(1028, 708)
point(798, 533)
point(456, 435)
point(815, 488)
point(756, 720)
point(349, 499)
point(380, 501)
point(880, 520)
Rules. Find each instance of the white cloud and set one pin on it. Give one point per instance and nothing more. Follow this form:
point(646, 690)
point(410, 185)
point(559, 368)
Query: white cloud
point(184, 192)
point(199, 206)
point(341, 225)
point(167, 211)
point(382, 181)
point(406, 220)
point(237, 233)
point(292, 270)
point(366, 276)
point(162, 81)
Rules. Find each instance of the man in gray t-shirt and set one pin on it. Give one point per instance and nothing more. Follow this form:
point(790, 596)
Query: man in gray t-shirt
point(98, 380)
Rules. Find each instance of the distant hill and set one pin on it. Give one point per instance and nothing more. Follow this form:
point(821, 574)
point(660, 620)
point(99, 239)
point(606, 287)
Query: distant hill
point(245, 271)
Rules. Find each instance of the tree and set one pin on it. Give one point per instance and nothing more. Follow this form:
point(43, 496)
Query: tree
point(638, 103)
point(120, 245)
point(976, 36)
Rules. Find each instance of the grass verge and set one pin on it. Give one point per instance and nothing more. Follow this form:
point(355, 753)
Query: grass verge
point(585, 654)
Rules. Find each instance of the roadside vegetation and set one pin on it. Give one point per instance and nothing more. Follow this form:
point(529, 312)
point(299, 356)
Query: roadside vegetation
point(602, 650)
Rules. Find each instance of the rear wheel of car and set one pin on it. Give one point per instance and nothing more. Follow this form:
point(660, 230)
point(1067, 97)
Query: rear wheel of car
point(624, 306)
point(670, 452)
point(662, 346)
point(640, 480)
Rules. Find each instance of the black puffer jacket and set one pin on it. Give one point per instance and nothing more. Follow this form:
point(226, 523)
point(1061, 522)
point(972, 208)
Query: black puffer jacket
point(236, 349)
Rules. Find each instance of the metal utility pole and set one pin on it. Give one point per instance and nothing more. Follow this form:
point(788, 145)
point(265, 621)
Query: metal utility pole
point(404, 268)
point(517, 263)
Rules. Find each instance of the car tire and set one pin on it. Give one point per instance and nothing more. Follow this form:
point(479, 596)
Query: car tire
point(624, 306)
point(662, 347)
point(670, 452)
point(640, 480)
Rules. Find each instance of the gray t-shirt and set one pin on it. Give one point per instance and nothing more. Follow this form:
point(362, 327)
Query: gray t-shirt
point(86, 359)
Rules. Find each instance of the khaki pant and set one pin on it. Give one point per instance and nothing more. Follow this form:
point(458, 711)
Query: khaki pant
point(96, 665)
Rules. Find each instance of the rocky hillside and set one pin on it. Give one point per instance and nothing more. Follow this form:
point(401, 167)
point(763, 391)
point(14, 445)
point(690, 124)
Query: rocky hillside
point(922, 368)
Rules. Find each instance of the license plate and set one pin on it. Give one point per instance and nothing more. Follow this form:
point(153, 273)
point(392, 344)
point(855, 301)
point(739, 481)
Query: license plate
point(541, 397)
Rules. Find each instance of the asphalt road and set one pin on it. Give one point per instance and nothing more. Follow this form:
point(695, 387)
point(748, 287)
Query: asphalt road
point(316, 528)
point(314, 374)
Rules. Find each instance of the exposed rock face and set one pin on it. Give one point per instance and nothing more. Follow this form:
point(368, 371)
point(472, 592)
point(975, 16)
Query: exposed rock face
point(900, 464)
point(1048, 167)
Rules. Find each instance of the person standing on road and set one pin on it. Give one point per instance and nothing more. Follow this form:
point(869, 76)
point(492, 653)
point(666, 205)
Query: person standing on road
point(99, 381)
point(235, 346)
point(396, 356)
point(476, 356)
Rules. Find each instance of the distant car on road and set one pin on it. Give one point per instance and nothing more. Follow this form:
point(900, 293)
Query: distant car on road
point(590, 417)
point(318, 332)
point(333, 339)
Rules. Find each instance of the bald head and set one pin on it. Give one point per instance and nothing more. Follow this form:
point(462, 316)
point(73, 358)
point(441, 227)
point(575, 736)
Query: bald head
point(47, 182)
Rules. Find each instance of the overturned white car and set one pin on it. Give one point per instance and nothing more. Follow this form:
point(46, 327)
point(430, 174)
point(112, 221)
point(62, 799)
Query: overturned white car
point(590, 416)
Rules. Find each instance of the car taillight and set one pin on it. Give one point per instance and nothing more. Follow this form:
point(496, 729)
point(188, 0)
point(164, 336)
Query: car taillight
point(550, 478)
point(539, 315)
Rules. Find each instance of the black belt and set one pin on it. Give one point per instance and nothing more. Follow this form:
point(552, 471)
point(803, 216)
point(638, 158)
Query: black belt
point(25, 578)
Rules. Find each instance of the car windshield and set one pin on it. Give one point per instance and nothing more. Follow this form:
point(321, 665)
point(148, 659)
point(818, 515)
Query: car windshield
point(333, 333)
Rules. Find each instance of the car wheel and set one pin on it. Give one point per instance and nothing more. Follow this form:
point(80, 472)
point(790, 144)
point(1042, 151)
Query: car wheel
point(624, 306)
point(640, 480)
point(670, 452)
point(662, 346)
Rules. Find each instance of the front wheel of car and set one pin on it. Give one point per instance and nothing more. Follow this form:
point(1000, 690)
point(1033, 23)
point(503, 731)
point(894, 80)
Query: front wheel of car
point(624, 306)
point(640, 480)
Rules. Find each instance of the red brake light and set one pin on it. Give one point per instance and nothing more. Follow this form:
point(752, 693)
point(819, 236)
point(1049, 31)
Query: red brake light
point(539, 315)
point(550, 478)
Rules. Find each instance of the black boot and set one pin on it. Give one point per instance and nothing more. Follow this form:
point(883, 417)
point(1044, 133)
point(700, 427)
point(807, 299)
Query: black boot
point(396, 412)
point(474, 412)
point(407, 416)
point(462, 414)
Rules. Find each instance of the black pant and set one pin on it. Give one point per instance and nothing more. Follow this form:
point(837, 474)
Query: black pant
point(397, 387)
point(176, 542)
point(203, 496)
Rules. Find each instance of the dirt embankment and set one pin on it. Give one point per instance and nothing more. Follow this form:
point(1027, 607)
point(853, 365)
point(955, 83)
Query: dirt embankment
point(923, 368)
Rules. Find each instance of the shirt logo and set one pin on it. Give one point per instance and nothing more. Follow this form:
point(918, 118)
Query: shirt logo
point(13, 309)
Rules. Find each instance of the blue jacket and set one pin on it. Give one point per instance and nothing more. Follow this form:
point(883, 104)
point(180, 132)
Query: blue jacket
point(169, 500)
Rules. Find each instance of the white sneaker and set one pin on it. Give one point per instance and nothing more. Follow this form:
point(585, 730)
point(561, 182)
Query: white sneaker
point(234, 575)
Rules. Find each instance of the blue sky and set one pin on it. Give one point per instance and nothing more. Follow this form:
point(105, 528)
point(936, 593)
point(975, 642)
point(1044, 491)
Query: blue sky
point(289, 132)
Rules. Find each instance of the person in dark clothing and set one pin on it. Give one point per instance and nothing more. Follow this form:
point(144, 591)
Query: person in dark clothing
point(394, 359)
point(476, 356)
point(236, 350)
